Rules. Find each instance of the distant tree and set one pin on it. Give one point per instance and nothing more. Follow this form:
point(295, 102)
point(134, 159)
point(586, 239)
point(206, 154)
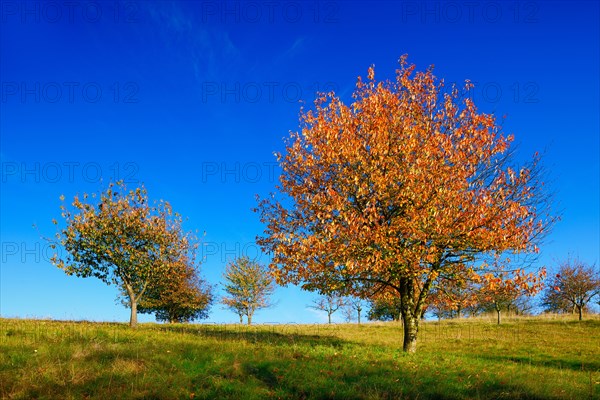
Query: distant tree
point(352, 309)
point(573, 287)
point(183, 297)
point(451, 297)
point(329, 303)
point(553, 302)
point(522, 305)
point(501, 287)
point(121, 239)
point(248, 286)
point(348, 313)
point(384, 309)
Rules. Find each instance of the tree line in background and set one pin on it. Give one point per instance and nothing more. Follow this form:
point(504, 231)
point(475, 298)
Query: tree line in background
point(408, 197)
point(574, 287)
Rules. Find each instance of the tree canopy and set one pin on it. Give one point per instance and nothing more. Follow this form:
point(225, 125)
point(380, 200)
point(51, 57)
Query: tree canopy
point(407, 182)
point(248, 285)
point(572, 288)
point(122, 239)
point(181, 297)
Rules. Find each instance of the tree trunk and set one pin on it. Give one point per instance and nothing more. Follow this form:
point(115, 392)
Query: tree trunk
point(358, 316)
point(498, 312)
point(458, 313)
point(580, 309)
point(241, 318)
point(249, 319)
point(411, 305)
point(411, 328)
point(132, 305)
point(329, 317)
point(133, 317)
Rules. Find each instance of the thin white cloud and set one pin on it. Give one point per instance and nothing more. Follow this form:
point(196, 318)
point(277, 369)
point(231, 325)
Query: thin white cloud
point(207, 48)
point(294, 49)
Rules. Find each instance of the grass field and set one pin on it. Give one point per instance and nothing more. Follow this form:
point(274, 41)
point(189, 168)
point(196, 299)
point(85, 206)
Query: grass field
point(529, 358)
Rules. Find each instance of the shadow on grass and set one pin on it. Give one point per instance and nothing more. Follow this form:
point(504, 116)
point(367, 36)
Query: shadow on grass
point(589, 365)
point(354, 381)
point(264, 373)
point(261, 334)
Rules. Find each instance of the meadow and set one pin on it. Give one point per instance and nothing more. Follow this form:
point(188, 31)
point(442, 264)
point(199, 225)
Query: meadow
point(524, 358)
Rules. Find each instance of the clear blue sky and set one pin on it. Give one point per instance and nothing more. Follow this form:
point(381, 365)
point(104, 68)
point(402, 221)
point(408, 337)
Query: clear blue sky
point(193, 97)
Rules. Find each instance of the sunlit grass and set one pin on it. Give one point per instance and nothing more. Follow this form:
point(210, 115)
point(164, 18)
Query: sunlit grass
point(529, 358)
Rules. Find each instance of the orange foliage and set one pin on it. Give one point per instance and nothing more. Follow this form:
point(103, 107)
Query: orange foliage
point(404, 183)
point(502, 286)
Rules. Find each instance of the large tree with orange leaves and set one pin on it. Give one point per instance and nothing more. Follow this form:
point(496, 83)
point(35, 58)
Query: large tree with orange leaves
point(407, 182)
point(122, 239)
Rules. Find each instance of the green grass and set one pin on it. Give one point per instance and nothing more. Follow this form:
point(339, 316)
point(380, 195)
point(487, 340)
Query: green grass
point(531, 358)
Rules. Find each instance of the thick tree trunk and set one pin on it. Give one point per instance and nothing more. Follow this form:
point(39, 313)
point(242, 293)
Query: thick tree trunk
point(411, 328)
point(580, 309)
point(249, 319)
point(411, 306)
point(241, 318)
